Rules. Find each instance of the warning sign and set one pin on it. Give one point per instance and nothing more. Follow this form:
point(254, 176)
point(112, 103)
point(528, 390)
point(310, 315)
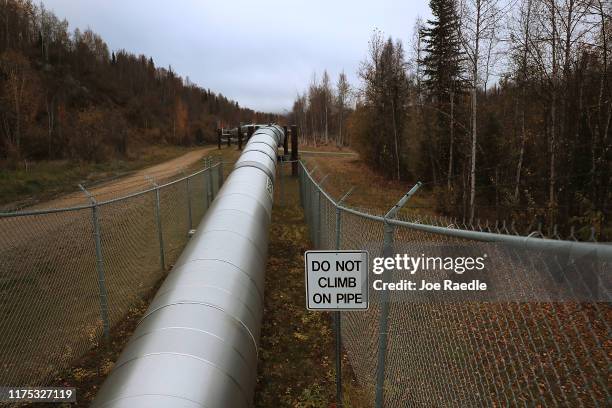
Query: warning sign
point(336, 280)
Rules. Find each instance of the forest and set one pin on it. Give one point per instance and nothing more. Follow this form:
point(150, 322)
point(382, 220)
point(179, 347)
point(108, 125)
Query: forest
point(64, 95)
point(502, 108)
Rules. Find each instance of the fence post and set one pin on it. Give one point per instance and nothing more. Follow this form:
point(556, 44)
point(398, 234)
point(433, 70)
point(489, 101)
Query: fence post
point(337, 314)
point(285, 142)
point(383, 326)
point(301, 181)
point(220, 175)
point(280, 182)
point(318, 233)
point(189, 204)
point(209, 187)
point(160, 235)
point(219, 139)
point(239, 138)
point(99, 265)
point(320, 230)
point(294, 150)
point(384, 317)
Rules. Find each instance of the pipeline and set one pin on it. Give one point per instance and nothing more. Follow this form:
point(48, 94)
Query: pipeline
point(196, 345)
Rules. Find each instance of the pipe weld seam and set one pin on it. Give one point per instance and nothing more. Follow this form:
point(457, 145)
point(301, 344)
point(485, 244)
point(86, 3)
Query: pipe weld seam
point(229, 263)
point(210, 363)
point(196, 330)
point(194, 302)
point(146, 395)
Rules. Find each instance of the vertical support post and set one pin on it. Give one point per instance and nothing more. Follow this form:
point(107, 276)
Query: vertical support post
point(294, 150)
point(189, 204)
point(160, 235)
point(383, 325)
point(220, 175)
point(338, 324)
point(280, 182)
point(301, 181)
point(219, 139)
point(317, 239)
point(239, 138)
point(99, 265)
point(285, 143)
point(158, 221)
point(209, 187)
point(229, 139)
point(250, 132)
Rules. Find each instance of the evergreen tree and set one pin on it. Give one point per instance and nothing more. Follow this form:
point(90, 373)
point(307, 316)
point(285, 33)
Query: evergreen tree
point(443, 79)
point(442, 62)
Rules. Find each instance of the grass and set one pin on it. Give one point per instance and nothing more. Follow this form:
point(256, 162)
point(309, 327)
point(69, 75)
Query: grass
point(88, 373)
point(295, 368)
point(296, 365)
point(46, 179)
point(372, 191)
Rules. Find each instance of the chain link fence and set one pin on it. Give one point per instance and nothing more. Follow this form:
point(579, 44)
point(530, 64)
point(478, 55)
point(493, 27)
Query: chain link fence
point(523, 349)
point(69, 275)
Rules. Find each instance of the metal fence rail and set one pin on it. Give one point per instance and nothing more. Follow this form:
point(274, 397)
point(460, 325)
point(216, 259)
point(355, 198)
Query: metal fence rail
point(69, 275)
point(470, 353)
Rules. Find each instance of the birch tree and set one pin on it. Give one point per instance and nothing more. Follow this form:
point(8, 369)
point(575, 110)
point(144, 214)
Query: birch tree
point(343, 90)
point(479, 20)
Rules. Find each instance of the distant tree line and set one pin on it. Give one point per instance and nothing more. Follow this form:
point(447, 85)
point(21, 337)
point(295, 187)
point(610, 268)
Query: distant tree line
point(66, 96)
point(504, 108)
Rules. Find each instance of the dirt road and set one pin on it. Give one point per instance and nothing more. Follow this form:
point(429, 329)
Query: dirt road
point(130, 183)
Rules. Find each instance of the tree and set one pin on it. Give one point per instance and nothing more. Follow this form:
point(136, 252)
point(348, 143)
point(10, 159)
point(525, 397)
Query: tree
point(520, 36)
point(385, 97)
point(20, 99)
point(343, 90)
point(443, 69)
point(326, 96)
point(479, 20)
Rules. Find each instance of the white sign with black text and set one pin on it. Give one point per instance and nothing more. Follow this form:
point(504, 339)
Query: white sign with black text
point(336, 280)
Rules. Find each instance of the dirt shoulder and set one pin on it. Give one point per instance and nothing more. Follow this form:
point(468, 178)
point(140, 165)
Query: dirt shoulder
point(134, 181)
point(54, 184)
point(295, 361)
point(370, 190)
point(296, 356)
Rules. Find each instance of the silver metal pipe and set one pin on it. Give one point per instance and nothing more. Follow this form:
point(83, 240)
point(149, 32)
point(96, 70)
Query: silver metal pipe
point(196, 345)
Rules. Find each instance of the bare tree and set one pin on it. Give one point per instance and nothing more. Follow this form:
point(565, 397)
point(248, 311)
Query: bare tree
point(343, 90)
point(520, 38)
point(326, 95)
point(479, 20)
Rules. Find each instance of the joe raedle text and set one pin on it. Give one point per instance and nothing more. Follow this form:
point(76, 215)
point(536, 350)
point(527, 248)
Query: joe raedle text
point(410, 266)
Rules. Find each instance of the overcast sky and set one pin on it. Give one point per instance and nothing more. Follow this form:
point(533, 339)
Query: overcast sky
point(257, 52)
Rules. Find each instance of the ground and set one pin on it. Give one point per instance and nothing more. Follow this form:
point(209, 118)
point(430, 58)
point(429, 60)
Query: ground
point(371, 190)
point(45, 184)
point(297, 359)
point(296, 365)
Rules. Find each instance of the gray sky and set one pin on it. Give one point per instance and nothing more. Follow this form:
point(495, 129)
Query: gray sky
point(257, 52)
